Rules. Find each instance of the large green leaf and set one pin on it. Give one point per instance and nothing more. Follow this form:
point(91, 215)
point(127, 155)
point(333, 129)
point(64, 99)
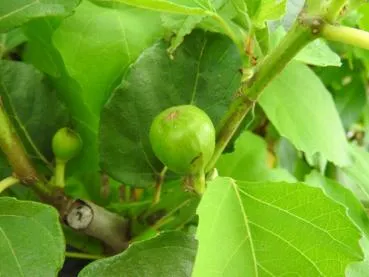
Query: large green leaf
point(169, 254)
point(204, 72)
point(32, 105)
point(31, 239)
point(302, 110)
point(272, 229)
point(16, 13)
point(249, 161)
point(86, 69)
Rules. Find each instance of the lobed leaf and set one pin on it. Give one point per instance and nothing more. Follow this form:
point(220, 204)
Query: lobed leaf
point(272, 229)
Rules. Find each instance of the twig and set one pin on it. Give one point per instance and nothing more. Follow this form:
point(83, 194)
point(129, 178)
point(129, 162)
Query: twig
point(8, 182)
point(346, 35)
point(158, 186)
point(84, 256)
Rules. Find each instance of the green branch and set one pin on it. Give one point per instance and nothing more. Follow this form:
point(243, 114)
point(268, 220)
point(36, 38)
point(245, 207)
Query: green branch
point(8, 182)
point(346, 35)
point(158, 186)
point(14, 151)
point(298, 37)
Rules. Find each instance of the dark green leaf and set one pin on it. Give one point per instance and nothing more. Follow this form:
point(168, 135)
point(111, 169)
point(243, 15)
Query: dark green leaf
point(32, 105)
point(31, 239)
point(205, 69)
point(167, 255)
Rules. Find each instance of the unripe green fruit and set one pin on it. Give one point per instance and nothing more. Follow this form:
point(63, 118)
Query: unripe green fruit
point(66, 144)
point(183, 138)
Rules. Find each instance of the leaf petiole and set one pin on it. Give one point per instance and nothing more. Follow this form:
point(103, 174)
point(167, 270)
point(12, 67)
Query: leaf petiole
point(83, 256)
point(8, 182)
point(346, 35)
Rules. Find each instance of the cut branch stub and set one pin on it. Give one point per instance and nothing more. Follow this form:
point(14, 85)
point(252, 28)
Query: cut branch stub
point(97, 222)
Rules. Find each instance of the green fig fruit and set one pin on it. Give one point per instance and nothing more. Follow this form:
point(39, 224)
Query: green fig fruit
point(66, 144)
point(183, 138)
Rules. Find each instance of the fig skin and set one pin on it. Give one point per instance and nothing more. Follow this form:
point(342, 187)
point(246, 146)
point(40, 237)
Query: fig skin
point(66, 144)
point(183, 138)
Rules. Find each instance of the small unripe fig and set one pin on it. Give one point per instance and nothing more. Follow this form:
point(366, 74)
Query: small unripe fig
point(66, 144)
point(183, 138)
